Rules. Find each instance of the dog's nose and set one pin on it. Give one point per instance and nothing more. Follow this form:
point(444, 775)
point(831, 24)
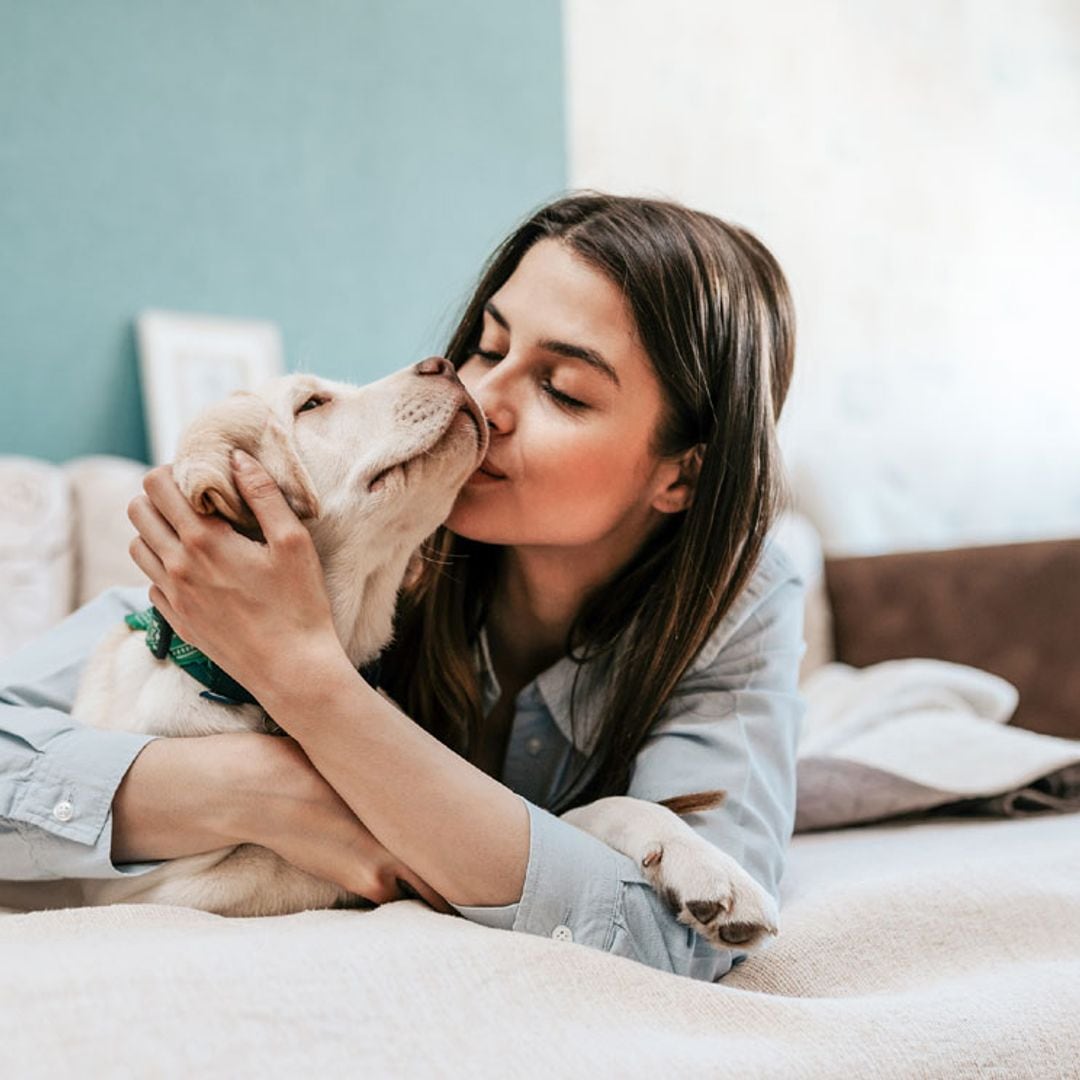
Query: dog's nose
point(436, 365)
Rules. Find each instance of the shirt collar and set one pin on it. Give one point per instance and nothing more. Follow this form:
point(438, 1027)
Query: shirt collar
point(554, 686)
point(556, 682)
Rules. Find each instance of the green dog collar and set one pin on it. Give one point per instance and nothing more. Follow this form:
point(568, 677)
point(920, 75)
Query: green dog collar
point(164, 642)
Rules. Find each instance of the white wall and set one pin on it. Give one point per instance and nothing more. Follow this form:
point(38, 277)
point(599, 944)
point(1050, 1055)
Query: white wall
point(915, 167)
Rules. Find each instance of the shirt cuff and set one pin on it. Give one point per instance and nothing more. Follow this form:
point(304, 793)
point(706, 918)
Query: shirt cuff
point(579, 889)
point(571, 886)
point(68, 797)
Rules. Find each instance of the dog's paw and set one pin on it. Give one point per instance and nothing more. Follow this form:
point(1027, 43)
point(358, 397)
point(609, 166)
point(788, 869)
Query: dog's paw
point(710, 892)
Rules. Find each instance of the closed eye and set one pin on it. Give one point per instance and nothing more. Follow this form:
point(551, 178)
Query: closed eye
point(313, 402)
point(555, 394)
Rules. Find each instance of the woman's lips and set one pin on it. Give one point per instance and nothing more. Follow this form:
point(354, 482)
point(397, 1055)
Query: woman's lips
point(486, 474)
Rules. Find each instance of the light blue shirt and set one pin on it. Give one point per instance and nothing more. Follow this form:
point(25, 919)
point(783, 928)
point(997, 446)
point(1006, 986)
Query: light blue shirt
point(732, 722)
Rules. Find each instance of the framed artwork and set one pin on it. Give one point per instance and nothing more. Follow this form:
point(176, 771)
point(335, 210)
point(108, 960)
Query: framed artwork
point(187, 362)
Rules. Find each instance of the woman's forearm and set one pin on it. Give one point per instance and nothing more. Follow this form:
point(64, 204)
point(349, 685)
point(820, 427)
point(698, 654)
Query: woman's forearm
point(183, 796)
point(458, 828)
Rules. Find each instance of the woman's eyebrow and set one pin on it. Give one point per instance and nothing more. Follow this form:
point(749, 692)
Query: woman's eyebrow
point(563, 348)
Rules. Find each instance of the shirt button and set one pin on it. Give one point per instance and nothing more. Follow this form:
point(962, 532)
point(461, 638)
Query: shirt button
point(534, 745)
point(63, 811)
point(562, 933)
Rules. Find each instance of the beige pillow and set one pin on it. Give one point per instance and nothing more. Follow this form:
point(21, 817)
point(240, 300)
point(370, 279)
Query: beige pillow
point(101, 487)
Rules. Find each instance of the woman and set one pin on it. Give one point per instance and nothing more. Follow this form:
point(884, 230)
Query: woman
point(603, 612)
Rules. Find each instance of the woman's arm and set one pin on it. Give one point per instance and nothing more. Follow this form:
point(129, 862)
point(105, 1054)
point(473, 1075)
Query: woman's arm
point(460, 829)
point(261, 612)
point(733, 723)
point(82, 802)
point(57, 777)
point(76, 800)
point(186, 796)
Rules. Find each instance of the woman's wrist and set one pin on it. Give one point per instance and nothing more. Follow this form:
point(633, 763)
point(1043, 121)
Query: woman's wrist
point(186, 796)
point(300, 686)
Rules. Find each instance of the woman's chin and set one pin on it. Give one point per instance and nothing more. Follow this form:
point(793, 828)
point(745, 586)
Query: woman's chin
point(470, 523)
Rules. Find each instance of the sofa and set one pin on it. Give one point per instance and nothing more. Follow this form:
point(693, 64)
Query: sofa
point(930, 922)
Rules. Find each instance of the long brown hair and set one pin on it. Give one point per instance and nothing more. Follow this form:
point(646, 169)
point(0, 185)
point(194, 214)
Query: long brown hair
point(715, 317)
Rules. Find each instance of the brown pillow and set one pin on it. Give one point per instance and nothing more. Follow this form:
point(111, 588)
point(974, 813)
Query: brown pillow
point(1011, 609)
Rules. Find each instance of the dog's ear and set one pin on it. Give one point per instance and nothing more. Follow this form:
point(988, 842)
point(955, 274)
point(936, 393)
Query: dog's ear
point(280, 459)
point(203, 465)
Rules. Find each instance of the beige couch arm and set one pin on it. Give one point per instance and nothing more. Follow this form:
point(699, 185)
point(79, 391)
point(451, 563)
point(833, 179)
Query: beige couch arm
point(101, 488)
point(64, 537)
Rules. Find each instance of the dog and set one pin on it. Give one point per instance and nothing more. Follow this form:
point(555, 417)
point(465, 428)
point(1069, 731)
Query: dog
point(371, 471)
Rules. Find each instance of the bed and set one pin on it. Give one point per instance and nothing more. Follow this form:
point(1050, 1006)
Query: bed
point(945, 948)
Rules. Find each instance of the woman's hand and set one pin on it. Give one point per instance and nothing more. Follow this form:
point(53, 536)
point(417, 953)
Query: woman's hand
point(314, 829)
point(185, 796)
point(258, 610)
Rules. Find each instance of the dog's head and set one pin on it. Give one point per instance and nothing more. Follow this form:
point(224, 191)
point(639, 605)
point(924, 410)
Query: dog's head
point(384, 460)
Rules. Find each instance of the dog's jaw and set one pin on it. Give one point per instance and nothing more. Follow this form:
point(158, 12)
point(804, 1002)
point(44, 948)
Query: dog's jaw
point(363, 599)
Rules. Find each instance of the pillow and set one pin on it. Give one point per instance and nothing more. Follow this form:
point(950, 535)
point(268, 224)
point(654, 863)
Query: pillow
point(1010, 609)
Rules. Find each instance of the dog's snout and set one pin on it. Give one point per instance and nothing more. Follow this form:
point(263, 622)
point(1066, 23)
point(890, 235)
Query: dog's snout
point(436, 365)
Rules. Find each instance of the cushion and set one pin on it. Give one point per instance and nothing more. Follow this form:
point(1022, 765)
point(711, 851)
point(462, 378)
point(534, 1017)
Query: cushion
point(1010, 609)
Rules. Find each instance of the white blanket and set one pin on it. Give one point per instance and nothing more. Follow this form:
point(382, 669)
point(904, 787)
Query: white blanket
point(938, 948)
point(943, 949)
point(906, 736)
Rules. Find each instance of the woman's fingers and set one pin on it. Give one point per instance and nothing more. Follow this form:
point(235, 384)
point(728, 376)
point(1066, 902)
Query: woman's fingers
point(154, 529)
point(267, 502)
point(145, 559)
point(168, 500)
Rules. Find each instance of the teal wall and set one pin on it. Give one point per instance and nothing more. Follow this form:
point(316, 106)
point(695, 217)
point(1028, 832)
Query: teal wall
point(342, 168)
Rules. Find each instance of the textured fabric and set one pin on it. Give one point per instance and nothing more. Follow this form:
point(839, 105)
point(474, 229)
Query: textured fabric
point(38, 556)
point(915, 951)
point(102, 486)
point(733, 722)
point(1011, 609)
point(907, 736)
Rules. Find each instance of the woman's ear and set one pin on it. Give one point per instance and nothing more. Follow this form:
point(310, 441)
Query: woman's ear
point(678, 492)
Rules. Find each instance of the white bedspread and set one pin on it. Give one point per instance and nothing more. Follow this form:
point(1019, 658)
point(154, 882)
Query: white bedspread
point(943, 949)
point(907, 736)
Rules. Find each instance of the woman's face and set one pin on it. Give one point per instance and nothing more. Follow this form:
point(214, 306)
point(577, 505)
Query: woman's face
point(573, 401)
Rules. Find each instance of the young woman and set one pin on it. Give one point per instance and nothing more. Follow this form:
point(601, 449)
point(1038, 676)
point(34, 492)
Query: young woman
point(604, 612)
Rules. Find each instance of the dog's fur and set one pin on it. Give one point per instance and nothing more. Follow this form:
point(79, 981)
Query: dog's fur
point(328, 446)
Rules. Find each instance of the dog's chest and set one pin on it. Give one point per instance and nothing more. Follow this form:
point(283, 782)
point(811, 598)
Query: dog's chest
point(126, 688)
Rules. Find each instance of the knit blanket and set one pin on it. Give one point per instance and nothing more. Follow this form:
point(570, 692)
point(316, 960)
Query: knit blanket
point(948, 948)
point(926, 946)
point(912, 737)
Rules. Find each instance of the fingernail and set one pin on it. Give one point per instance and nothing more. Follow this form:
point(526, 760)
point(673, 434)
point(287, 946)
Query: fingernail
point(241, 460)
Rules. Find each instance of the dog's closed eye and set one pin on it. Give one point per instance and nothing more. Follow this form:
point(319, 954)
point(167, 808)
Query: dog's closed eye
point(312, 402)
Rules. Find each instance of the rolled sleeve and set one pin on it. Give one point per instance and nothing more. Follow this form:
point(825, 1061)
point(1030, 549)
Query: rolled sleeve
point(572, 881)
point(579, 889)
point(58, 777)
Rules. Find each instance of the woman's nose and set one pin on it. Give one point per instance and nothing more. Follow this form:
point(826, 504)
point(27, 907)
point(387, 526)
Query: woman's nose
point(436, 365)
point(490, 391)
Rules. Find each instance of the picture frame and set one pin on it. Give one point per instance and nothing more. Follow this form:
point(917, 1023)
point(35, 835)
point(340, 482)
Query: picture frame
point(188, 361)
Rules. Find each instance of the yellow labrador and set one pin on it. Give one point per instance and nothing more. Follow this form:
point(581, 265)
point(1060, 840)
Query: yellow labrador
point(371, 471)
